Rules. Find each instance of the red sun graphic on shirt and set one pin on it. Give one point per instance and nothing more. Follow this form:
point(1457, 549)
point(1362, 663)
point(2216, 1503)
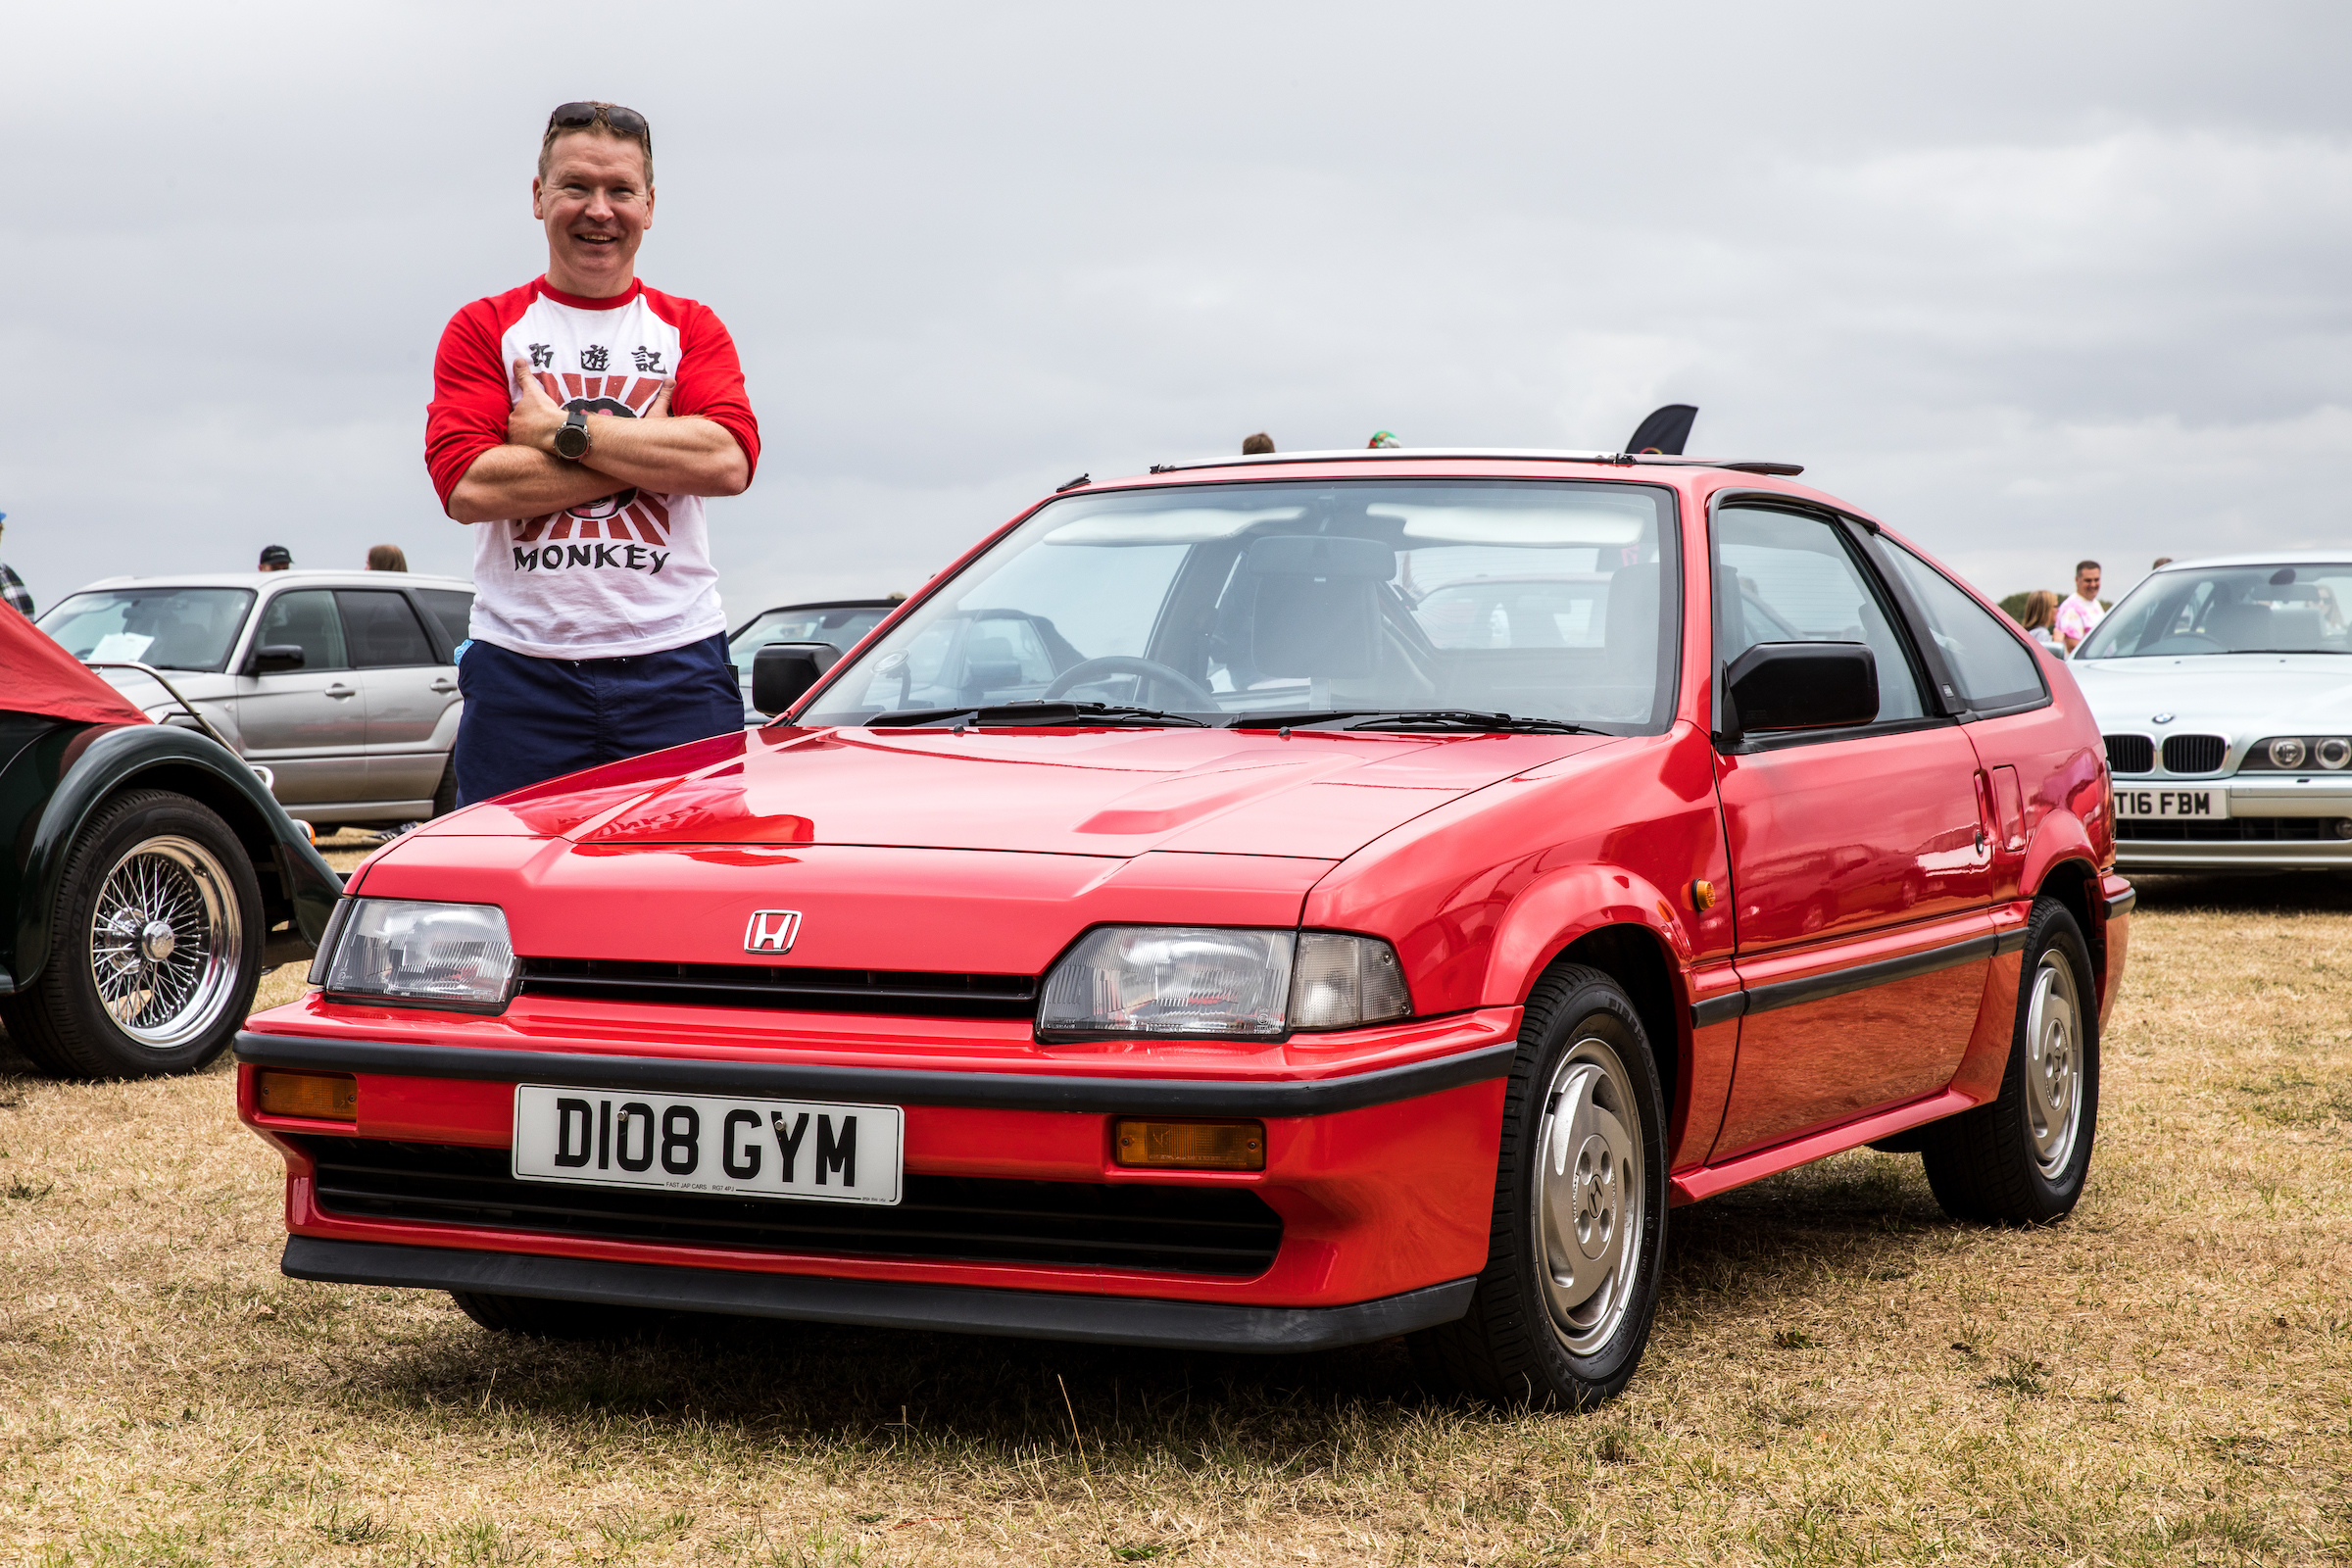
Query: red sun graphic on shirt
point(632, 515)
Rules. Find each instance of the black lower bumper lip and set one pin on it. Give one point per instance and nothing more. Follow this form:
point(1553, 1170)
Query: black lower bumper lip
point(884, 1303)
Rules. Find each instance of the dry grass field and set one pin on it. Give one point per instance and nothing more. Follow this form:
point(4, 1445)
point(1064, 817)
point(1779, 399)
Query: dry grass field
point(1839, 1375)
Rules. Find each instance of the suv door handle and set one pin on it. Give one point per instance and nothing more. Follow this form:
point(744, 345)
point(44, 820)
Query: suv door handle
point(445, 685)
point(339, 691)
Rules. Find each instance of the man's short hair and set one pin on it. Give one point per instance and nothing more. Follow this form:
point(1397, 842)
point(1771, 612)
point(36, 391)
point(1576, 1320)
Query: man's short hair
point(386, 557)
point(2081, 566)
point(275, 556)
point(600, 126)
point(1257, 446)
point(2162, 561)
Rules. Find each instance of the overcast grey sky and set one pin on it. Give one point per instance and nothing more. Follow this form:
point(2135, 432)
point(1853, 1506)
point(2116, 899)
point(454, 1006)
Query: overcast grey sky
point(2029, 281)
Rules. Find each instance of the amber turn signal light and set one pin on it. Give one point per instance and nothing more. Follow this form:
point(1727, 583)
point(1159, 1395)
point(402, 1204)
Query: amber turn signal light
point(1702, 895)
point(319, 1096)
point(1188, 1145)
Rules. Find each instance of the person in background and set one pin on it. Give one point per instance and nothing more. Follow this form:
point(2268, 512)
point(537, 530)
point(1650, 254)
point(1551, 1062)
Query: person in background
point(275, 558)
point(577, 423)
point(1382, 438)
point(2162, 561)
point(1260, 445)
point(2040, 621)
point(2082, 613)
point(12, 586)
point(386, 557)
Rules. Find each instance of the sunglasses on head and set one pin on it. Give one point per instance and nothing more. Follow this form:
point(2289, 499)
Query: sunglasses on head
point(621, 121)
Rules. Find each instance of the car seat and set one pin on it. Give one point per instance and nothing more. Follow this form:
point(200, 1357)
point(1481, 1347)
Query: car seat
point(1315, 607)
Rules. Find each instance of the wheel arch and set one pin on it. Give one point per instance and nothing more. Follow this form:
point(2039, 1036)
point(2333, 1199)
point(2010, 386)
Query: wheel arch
point(1619, 923)
point(2074, 882)
point(298, 887)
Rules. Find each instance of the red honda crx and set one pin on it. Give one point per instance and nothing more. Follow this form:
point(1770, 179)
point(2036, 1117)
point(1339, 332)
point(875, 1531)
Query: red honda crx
point(1263, 906)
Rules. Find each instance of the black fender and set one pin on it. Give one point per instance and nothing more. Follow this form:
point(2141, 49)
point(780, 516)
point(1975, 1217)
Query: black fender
point(54, 774)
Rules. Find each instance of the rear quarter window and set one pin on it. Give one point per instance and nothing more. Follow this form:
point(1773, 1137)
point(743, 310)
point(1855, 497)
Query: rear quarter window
point(1988, 662)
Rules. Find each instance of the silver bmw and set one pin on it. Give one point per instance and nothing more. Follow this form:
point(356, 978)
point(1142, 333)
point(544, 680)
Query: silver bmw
point(2224, 687)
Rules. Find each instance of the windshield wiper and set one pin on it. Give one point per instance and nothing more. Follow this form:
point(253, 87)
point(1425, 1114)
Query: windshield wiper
point(1040, 711)
point(1451, 719)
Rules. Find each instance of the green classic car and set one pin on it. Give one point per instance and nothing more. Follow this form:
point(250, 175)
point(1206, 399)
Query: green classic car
point(149, 877)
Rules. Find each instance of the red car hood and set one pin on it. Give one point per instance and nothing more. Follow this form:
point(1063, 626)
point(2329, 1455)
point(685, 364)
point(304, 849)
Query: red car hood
point(1317, 794)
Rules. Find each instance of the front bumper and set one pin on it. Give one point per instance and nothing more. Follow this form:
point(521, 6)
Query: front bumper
point(2277, 823)
point(1379, 1169)
point(1021, 1314)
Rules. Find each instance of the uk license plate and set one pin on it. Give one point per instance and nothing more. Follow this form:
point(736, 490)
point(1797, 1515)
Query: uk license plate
point(808, 1151)
point(2135, 802)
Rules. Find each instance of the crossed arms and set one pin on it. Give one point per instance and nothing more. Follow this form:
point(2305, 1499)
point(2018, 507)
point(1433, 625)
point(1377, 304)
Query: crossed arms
point(669, 455)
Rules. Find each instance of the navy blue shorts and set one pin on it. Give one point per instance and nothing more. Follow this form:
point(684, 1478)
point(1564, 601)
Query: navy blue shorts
point(528, 719)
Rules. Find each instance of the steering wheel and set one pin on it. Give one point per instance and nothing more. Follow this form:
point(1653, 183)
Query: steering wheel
point(1086, 672)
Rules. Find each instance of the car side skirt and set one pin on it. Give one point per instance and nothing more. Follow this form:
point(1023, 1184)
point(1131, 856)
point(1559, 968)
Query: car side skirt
point(877, 1303)
point(1705, 1181)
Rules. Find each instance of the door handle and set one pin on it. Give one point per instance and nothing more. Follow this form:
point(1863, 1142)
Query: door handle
point(445, 686)
point(339, 691)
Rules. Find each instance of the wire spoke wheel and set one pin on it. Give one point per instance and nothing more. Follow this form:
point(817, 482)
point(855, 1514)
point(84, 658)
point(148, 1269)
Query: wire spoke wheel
point(1590, 1196)
point(167, 941)
point(2052, 1064)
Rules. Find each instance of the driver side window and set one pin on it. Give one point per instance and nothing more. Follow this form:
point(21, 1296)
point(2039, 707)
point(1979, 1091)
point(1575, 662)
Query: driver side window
point(1783, 577)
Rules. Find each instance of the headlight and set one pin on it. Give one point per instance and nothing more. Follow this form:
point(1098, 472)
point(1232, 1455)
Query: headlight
point(2290, 752)
point(455, 955)
point(1211, 980)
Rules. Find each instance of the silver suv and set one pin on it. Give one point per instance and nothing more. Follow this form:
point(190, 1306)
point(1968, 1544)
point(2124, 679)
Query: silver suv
point(340, 685)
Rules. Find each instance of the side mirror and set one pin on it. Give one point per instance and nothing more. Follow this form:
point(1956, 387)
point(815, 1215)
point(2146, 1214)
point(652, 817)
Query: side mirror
point(275, 657)
point(783, 673)
point(1782, 686)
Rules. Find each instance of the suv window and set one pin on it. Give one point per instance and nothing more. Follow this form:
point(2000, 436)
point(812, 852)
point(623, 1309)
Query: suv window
point(452, 607)
point(1991, 666)
point(383, 631)
point(307, 620)
point(1784, 578)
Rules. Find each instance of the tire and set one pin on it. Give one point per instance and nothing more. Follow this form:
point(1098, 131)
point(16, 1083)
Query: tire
point(1563, 1309)
point(2022, 1159)
point(445, 793)
point(156, 944)
point(535, 1317)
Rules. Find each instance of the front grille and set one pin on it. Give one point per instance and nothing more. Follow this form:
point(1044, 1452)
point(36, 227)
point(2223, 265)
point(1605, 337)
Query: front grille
point(753, 985)
point(2131, 754)
point(1223, 1231)
point(2232, 830)
point(2194, 754)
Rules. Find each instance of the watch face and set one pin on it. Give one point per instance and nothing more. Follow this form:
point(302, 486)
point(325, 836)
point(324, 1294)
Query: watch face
point(571, 441)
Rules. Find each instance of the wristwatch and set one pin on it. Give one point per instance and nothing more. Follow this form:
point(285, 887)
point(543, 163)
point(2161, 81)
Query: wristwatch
point(571, 438)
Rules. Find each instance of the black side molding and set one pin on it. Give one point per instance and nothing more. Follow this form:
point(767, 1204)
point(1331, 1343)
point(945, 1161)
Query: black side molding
point(888, 1304)
point(2121, 902)
point(992, 1091)
point(1858, 977)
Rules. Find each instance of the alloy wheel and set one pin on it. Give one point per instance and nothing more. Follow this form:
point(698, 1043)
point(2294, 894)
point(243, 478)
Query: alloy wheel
point(2053, 1066)
point(1590, 1196)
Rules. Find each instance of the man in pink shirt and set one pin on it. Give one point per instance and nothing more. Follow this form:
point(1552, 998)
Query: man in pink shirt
point(577, 423)
point(2080, 612)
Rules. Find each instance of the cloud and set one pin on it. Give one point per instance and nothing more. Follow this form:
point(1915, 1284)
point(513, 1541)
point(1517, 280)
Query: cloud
point(2026, 303)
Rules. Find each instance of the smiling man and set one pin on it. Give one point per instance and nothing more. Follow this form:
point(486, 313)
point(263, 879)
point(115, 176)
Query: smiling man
point(576, 425)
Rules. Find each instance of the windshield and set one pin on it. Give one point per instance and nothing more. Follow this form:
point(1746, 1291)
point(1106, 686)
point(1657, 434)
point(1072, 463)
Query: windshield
point(170, 628)
point(1536, 599)
point(2228, 609)
point(839, 625)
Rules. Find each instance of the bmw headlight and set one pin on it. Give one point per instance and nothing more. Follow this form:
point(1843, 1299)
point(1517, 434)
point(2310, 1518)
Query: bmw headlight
point(2294, 753)
point(1222, 983)
point(455, 955)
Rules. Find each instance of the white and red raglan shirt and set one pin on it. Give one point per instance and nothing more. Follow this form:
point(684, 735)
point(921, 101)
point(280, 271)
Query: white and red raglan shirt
point(627, 574)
